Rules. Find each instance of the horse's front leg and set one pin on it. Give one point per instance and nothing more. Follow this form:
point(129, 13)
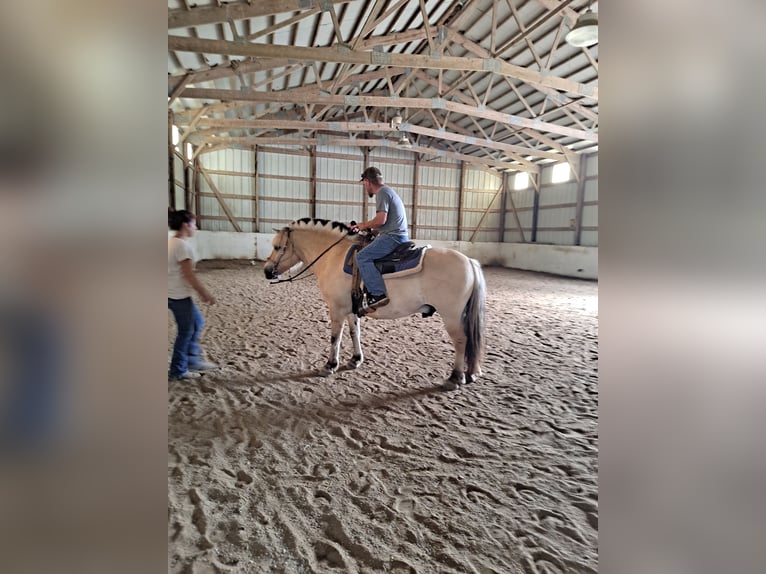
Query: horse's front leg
point(355, 326)
point(336, 334)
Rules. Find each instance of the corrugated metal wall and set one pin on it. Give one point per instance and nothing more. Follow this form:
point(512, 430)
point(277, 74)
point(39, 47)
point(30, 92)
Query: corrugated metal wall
point(482, 205)
point(438, 200)
point(557, 209)
point(231, 172)
point(284, 191)
point(283, 186)
point(523, 200)
point(590, 207)
point(338, 191)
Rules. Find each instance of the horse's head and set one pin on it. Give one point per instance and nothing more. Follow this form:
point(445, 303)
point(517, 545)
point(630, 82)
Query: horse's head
point(283, 255)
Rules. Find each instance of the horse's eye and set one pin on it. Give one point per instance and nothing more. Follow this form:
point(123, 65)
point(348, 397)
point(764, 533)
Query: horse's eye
point(277, 249)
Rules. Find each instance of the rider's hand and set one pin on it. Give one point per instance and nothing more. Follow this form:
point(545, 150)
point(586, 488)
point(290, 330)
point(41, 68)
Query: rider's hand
point(353, 227)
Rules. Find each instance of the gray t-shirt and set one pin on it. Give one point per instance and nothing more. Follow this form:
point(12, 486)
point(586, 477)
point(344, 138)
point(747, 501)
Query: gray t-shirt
point(396, 220)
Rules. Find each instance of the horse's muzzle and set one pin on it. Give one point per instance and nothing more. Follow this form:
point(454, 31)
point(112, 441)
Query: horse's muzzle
point(269, 272)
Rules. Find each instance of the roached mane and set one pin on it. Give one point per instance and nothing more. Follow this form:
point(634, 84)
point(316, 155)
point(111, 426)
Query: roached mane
point(326, 224)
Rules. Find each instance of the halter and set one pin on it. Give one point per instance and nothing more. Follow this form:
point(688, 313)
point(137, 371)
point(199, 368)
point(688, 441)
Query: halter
point(307, 267)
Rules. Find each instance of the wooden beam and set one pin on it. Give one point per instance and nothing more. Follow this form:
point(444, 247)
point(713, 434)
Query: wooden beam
point(283, 24)
point(568, 15)
point(373, 101)
point(503, 200)
point(580, 199)
point(313, 182)
point(257, 211)
point(461, 191)
point(182, 18)
point(225, 124)
point(525, 32)
point(415, 184)
point(486, 211)
point(343, 55)
point(220, 199)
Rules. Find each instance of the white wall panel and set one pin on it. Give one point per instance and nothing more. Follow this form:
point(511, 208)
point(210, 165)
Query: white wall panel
point(284, 190)
point(238, 180)
point(589, 238)
point(591, 167)
point(283, 187)
point(338, 190)
point(591, 190)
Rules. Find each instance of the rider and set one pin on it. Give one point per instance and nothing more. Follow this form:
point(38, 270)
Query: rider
point(391, 223)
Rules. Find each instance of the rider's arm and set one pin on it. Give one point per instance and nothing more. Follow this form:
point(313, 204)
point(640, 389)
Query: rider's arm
point(379, 219)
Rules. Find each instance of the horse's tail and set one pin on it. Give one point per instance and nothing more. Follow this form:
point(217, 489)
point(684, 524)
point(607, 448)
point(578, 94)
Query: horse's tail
point(473, 320)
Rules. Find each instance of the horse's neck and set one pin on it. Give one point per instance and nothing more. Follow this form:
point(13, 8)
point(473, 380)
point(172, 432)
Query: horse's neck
point(312, 245)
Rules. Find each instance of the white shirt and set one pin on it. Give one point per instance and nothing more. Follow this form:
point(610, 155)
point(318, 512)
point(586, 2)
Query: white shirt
point(178, 250)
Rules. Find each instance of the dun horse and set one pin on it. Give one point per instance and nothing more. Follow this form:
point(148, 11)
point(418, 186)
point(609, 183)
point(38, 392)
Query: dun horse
point(449, 283)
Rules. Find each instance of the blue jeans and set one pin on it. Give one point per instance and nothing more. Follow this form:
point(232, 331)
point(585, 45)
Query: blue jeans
point(186, 349)
point(31, 412)
point(381, 246)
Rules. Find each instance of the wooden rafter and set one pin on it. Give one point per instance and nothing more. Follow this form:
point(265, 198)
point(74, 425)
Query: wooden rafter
point(283, 24)
point(436, 103)
point(182, 18)
point(199, 45)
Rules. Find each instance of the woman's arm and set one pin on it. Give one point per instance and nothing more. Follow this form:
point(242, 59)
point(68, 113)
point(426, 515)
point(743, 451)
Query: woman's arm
point(189, 275)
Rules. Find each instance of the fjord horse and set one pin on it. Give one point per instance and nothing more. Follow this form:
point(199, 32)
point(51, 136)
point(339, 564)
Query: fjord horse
point(449, 283)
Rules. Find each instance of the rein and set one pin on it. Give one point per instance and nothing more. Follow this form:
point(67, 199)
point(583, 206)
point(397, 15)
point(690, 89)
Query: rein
point(307, 267)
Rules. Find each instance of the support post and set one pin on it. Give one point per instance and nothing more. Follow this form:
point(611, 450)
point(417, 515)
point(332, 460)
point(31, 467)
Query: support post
point(312, 182)
point(255, 191)
point(503, 201)
point(536, 206)
point(415, 183)
point(460, 202)
point(171, 164)
point(581, 170)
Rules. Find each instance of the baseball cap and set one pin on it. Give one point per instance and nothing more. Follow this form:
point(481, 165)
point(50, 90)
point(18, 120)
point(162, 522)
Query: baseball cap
point(373, 174)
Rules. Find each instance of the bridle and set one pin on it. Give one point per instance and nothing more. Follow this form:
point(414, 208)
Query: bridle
point(282, 250)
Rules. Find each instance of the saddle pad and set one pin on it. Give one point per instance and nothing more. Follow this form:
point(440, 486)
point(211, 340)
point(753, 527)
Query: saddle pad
point(407, 257)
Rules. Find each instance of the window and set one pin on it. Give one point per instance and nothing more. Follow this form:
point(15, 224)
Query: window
point(521, 180)
point(175, 136)
point(561, 173)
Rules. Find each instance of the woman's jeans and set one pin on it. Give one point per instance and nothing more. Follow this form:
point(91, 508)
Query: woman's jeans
point(186, 350)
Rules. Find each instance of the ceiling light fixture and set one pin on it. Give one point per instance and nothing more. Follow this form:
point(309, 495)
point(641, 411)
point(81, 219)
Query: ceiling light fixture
point(404, 142)
point(585, 31)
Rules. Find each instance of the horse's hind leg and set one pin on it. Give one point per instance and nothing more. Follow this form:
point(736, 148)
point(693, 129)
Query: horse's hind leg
point(355, 326)
point(457, 334)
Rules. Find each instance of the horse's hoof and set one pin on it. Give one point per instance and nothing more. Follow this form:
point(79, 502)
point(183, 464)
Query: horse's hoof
point(326, 371)
point(354, 362)
point(450, 385)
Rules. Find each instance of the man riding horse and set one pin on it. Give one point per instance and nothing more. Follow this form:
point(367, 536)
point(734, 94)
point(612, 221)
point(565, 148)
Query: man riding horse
point(390, 222)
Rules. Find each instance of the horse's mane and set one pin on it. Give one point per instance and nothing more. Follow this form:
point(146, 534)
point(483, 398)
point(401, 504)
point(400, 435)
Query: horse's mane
point(321, 225)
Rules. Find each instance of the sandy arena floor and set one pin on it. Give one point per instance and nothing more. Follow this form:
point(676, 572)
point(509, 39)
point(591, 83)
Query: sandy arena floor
point(273, 469)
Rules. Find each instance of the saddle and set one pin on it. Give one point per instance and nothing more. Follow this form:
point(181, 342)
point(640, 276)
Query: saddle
point(406, 259)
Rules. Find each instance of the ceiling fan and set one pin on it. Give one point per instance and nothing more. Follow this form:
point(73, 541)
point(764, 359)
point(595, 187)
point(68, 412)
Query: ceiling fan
point(402, 142)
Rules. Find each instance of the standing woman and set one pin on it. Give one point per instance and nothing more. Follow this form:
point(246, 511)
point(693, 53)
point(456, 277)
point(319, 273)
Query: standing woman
point(187, 353)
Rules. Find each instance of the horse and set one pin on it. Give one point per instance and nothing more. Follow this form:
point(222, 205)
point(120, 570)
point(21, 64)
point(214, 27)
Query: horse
point(449, 282)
